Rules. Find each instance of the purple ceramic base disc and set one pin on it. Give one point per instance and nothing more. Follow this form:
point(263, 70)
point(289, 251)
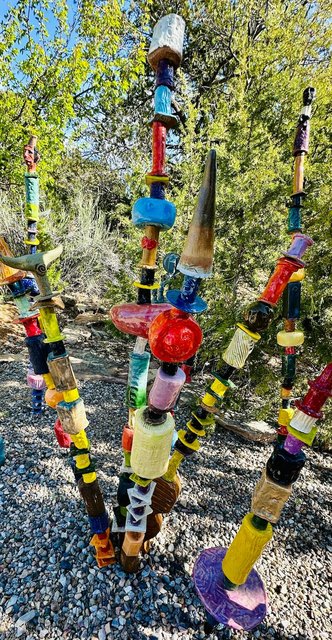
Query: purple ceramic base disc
point(243, 608)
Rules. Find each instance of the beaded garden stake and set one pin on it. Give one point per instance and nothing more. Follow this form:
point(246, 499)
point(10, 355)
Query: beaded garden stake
point(63, 395)
point(228, 585)
point(149, 485)
point(23, 286)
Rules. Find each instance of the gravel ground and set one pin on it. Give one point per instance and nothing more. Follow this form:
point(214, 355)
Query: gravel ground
point(50, 586)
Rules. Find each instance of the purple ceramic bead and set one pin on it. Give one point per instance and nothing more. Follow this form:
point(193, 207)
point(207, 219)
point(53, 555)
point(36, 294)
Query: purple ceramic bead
point(292, 445)
point(299, 245)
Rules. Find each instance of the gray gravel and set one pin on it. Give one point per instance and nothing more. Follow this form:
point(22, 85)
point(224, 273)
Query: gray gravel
point(50, 586)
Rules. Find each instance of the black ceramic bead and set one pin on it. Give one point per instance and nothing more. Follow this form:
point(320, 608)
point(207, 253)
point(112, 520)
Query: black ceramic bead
point(283, 467)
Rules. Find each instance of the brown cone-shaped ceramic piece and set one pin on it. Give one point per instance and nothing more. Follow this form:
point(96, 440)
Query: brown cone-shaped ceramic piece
point(197, 255)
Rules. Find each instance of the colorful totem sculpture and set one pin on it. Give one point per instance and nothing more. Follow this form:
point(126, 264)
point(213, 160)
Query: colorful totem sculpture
point(227, 584)
point(22, 286)
point(149, 485)
point(31, 180)
point(62, 393)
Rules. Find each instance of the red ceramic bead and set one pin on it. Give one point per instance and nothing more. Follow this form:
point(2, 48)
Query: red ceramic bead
point(279, 279)
point(158, 148)
point(135, 319)
point(320, 390)
point(31, 326)
point(127, 438)
point(174, 336)
point(62, 437)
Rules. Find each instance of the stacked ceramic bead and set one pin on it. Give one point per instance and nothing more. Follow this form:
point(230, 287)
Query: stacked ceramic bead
point(247, 606)
point(148, 435)
point(290, 337)
point(22, 286)
point(37, 366)
point(63, 395)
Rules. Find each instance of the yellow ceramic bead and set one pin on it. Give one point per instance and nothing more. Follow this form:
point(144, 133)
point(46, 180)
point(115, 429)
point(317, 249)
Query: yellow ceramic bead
point(82, 461)
point(307, 438)
point(50, 325)
point(209, 400)
point(218, 387)
point(80, 440)
point(252, 334)
point(151, 179)
point(173, 466)
point(245, 549)
point(297, 276)
point(146, 286)
point(48, 380)
point(290, 338)
point(89, 477)
point(195, 446)
point(285, 416)
point(71, 396)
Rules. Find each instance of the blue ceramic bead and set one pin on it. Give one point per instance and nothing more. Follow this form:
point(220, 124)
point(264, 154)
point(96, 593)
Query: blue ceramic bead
point(31, 286)
point(99, 524)
point(158, 213)
point(157, 190)
point(38, 352)
point(294, 219)
point(2, 452)
point(162, 107)
point(292, 301)
point(37, 400)
point(186, 299)
point(165, 74)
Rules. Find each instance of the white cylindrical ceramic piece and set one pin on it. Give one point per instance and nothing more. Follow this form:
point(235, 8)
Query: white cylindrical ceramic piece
point(167, 40)
point(239, 349)
point(302, 422)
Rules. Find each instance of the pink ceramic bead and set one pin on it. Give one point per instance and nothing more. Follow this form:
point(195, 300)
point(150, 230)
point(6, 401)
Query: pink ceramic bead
point(166, 389)
point(35, 381)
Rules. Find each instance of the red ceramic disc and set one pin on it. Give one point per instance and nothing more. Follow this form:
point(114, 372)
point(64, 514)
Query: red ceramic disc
point(174, 336)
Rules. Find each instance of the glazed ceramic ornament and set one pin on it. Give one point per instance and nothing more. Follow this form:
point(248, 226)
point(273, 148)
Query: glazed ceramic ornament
point(167, 40)
point(197, 255)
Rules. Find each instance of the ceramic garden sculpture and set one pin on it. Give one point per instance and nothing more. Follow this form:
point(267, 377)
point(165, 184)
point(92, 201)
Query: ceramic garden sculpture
point(149, 485)
point(227, 584)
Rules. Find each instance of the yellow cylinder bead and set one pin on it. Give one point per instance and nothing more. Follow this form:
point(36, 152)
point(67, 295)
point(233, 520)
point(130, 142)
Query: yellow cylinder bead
point(290, 338)
point(89, 477)
point(53, 397)
point(71, 396)
point(307, 438)
point(285, 416)
point(80, 440)
point(297, 276)
point(151, 445)
point(82, 461)
point(48, 380)
point(218, 387)
point(245, 549)
point(285, 393)
point(50, 325)
point(209, 400)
